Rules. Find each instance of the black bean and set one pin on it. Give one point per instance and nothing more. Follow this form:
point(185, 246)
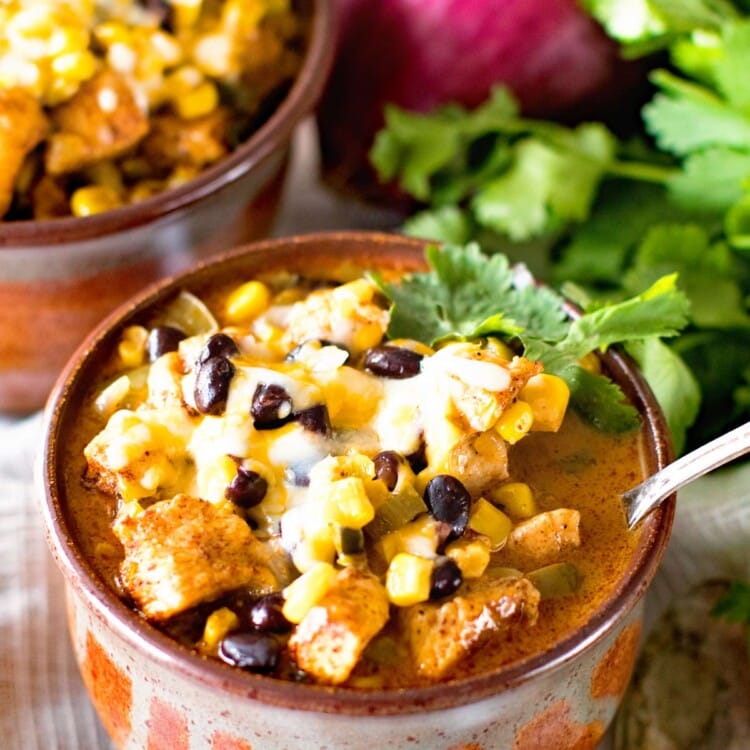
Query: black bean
point(418, 459)
point(271, 406)
point(250, 650)
point(449, 501)
point(392, 362)
point(266, 614)
point(212, 385)
point(247, 488)
point(162, 339)
point(218, 345)
point(314, 419)
point(386, 468)
point(446, 578)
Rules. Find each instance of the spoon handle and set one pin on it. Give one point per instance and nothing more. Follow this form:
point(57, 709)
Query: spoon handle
point(642, 499)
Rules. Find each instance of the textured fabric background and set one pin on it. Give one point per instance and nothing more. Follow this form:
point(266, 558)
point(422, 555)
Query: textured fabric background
point(43, 705)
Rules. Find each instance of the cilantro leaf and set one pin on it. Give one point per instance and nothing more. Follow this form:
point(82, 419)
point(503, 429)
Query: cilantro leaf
point(710, 180)
point(463, 291)
point(548, 183)
point(708, 273)
point(732, 65)
point(675, 387)
point(734, 606)
point(468, 294)
point(712, 121)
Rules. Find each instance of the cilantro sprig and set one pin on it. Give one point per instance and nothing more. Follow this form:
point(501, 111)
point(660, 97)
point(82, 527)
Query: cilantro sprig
point(734, 606)
point(612, 216)
point(466, 294)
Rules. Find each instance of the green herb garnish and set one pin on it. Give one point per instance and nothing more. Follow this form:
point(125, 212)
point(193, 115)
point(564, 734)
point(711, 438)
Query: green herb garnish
point(467, 294)
point(734, 606)
point(613, 216)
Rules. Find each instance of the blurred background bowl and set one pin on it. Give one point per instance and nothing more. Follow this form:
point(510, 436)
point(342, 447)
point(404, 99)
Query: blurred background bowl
point(562, 698)
point(60, 277)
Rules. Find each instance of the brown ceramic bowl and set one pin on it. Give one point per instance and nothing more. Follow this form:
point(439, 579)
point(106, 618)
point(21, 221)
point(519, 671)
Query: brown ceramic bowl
point(150, 692)
point(59, 278)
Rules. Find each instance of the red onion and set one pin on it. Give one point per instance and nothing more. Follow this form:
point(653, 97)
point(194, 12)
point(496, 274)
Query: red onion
point(423, 53)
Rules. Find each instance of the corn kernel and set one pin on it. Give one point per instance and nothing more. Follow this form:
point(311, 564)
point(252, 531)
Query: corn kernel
point(472, 557)
point(302, 594)
point(247, 301)
point(186, 12)
point(491, 522)
point(591, 362)
point(318, 546)
point(132, 347)
point(515, 422)
point(408, 579)
point(413, 345)
point(218, 624)
point(499, 348)
point(419, 537)
point(548, 396)
point(198, 102)
point(348, 503)
point(366, 336)
point(77, 66)
point(359, 290)
point(515, 498)
point(214, 477)
point(93, 199)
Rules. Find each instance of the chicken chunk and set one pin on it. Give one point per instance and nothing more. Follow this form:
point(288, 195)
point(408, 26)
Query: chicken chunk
point(479, 460)
point(345, 315)
point(22, 127)
point(545, 535)
point(174, 142)
point(477, 384)
point(101, 121)
point(440, 635)
point(334, 633)
point(142, 453)
point(184, 551)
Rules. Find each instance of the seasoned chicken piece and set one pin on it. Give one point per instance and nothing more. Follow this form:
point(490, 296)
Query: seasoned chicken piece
point(334, 633)
point(475, 384)
point(345, 315)
point(101, 121)
point(22, 127)
point(165, 381)
point(184, 551)
point(49, 199)
point(142, 453)
point(479, 460)
point(546, 534)
point(174, 142)
point(441, 634)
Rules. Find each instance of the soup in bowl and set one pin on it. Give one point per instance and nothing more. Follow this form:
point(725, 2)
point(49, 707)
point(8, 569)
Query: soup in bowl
point(314, 494)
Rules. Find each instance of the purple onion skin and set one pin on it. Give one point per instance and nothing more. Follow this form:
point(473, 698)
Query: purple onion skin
point(420, 54)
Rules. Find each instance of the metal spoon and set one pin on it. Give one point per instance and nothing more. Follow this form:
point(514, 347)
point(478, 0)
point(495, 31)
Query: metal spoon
point(642, 499)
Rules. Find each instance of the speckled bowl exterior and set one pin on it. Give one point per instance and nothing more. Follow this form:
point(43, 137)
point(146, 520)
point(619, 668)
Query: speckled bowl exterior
point(59, 278)
point(151, 693)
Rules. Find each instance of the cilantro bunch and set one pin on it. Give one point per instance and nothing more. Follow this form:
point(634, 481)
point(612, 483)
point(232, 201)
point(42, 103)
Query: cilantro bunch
point(468, 295)
point(611, 217)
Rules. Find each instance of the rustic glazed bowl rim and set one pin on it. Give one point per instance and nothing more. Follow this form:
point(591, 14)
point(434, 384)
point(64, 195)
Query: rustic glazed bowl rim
point(163, 650)
point(260, 146)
